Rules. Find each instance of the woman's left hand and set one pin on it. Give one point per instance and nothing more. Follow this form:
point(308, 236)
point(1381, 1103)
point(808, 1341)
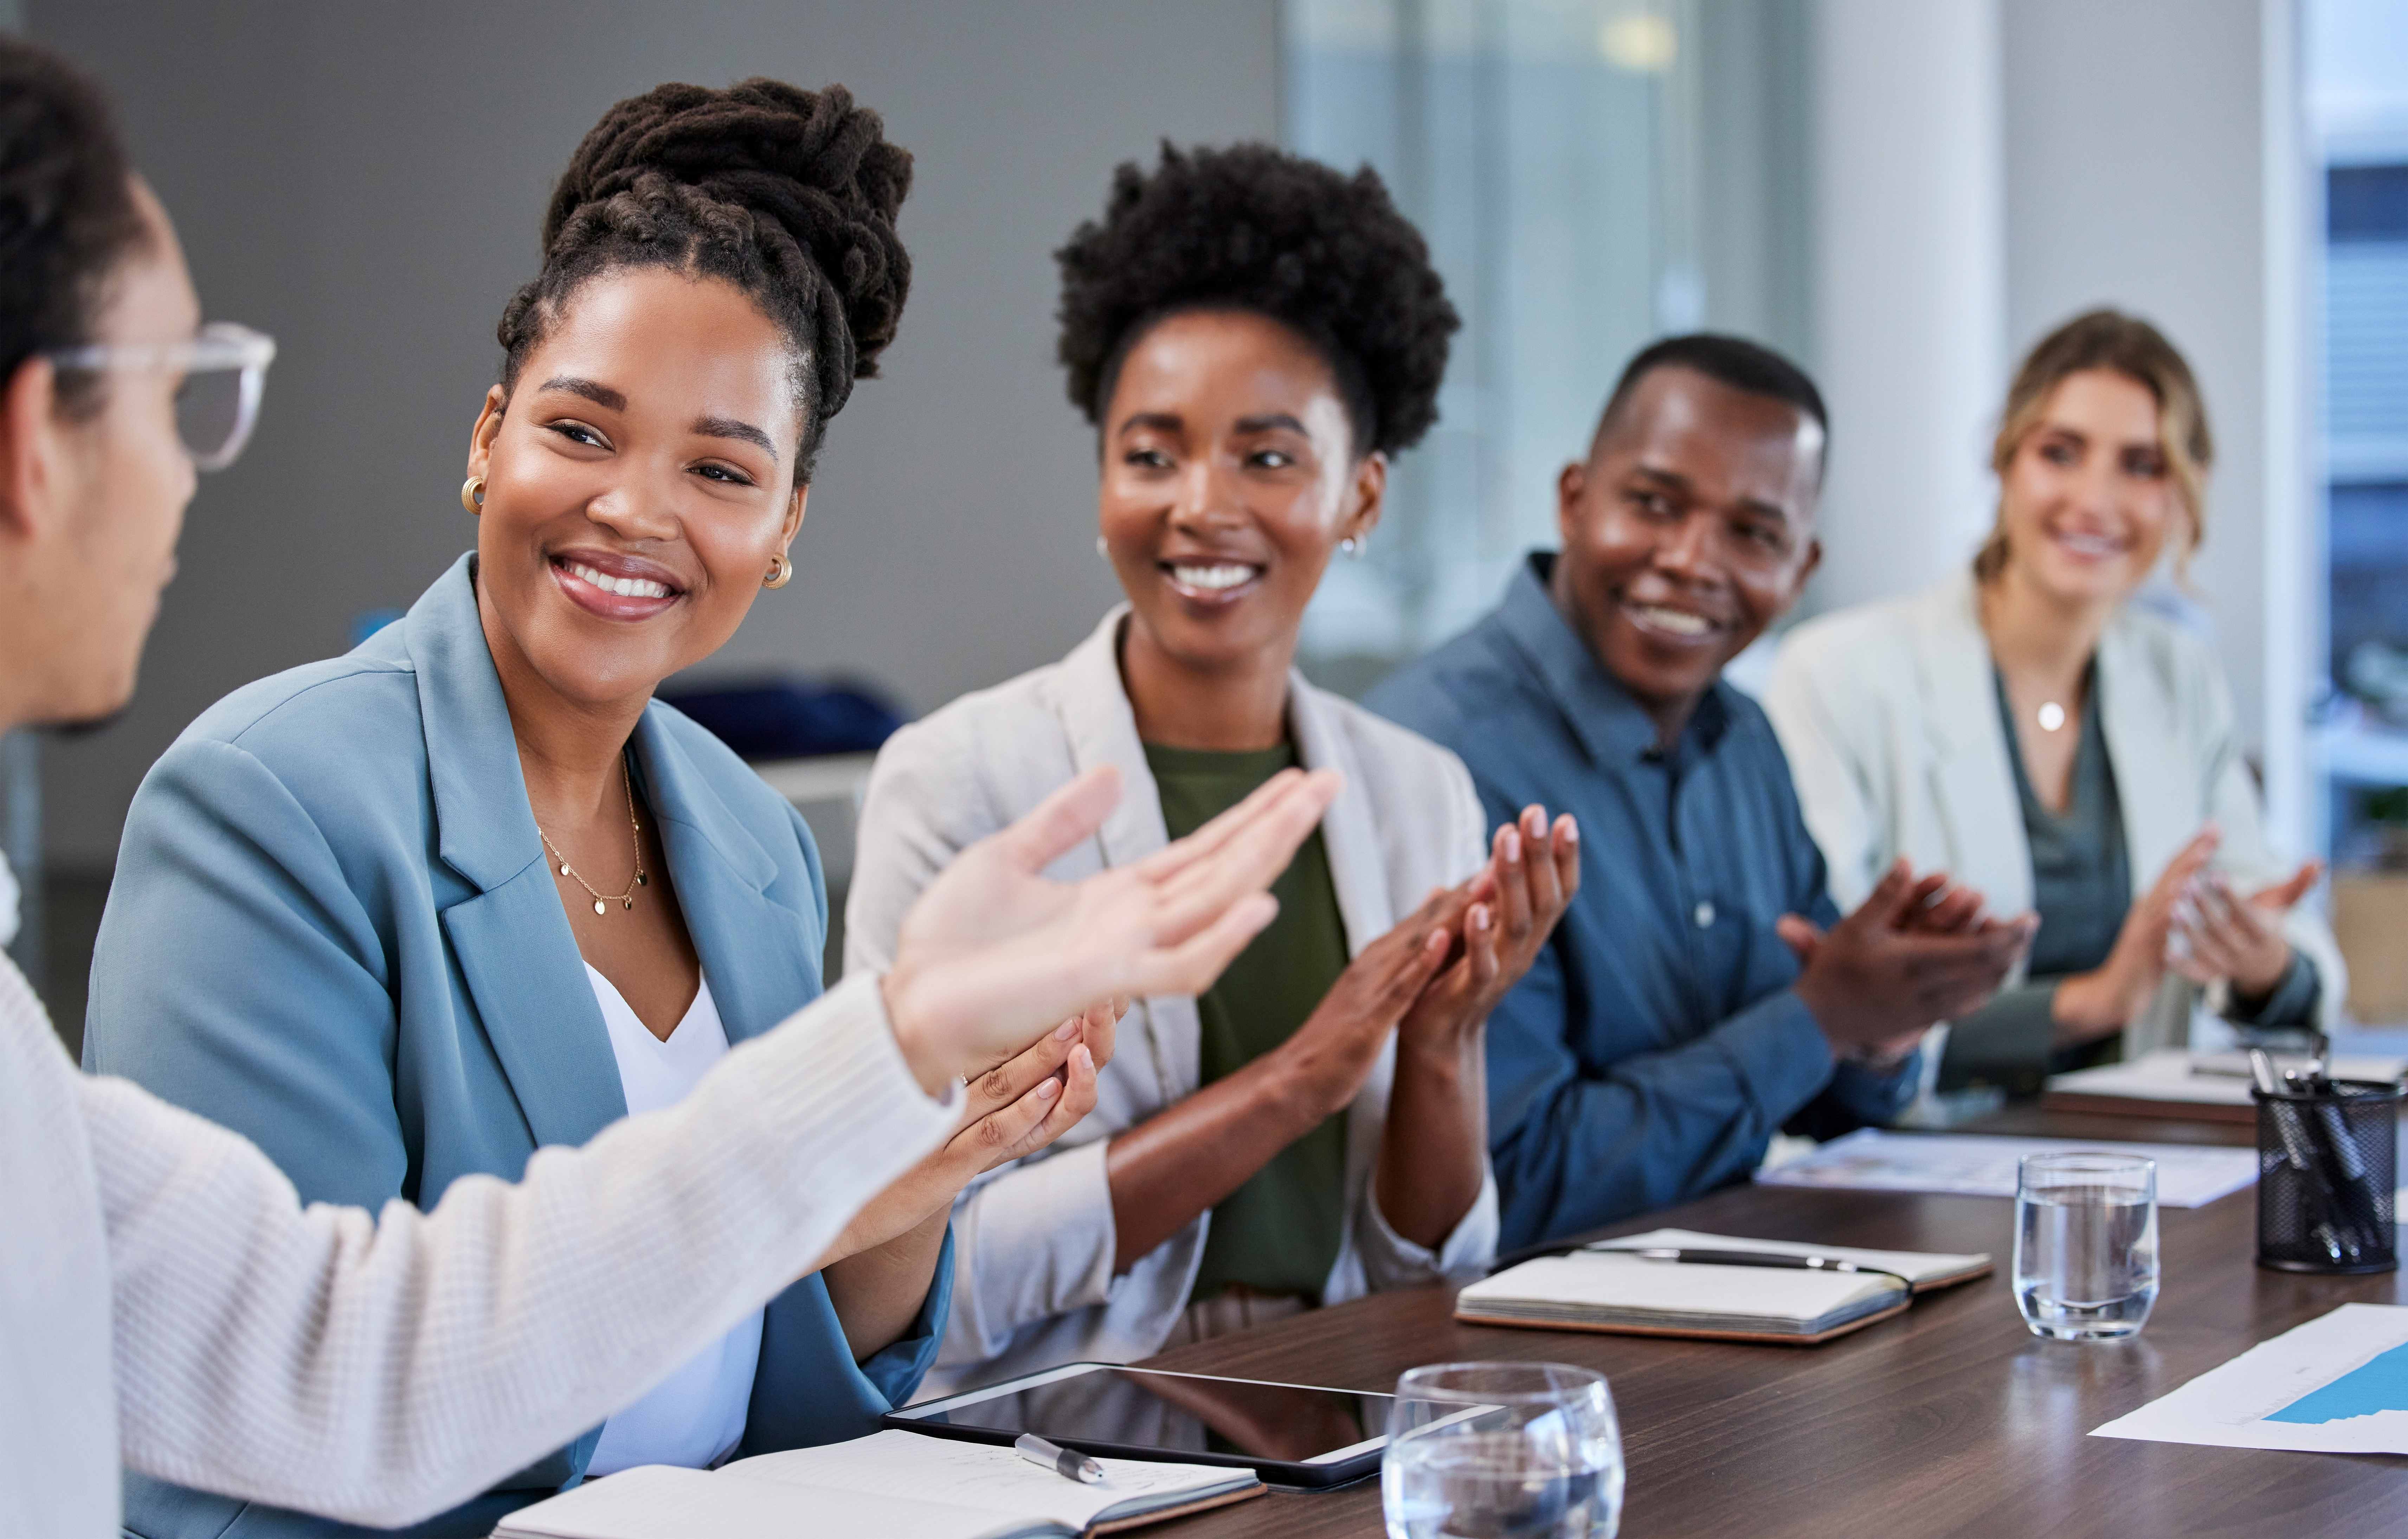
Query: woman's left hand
point(1014, 1108)
point(1532, 873)
point(2220, 934)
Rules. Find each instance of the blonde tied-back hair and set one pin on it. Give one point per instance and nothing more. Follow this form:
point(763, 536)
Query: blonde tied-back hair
point(2109, 339)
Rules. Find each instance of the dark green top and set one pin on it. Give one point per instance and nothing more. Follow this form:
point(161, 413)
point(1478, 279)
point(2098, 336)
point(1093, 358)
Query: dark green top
point(1280, 1232)
point(2082, 887)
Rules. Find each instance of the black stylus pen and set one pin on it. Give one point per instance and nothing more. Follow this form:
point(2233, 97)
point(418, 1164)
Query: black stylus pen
point(1748, 1258)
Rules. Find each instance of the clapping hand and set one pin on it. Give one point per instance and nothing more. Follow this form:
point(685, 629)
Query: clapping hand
point(1912, 954)
point(1511, 907)
point(2100, 1003)
point(1015, 1108)
point(2216, 934)
point(993, 953)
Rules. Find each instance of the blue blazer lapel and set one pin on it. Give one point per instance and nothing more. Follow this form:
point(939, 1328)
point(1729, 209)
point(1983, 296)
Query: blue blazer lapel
point(762, 956)
point(515, 951)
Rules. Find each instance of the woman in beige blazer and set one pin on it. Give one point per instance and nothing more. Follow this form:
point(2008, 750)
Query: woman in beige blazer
point(1253, 335)
point(2056, 745)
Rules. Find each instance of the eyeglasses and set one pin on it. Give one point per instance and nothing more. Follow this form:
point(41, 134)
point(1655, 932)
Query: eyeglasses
point(225, 369)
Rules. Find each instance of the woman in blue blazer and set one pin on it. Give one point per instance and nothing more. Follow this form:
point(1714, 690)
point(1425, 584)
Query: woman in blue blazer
point(406, 916)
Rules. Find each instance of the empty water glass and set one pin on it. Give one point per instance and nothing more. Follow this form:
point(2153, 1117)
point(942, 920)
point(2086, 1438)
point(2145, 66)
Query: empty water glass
point(2085, 1245)
point(1502, 1450)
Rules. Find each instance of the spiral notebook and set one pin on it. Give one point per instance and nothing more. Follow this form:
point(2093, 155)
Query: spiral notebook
point(895, 1485)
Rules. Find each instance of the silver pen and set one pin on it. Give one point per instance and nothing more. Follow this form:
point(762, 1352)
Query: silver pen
point(1067, 1462)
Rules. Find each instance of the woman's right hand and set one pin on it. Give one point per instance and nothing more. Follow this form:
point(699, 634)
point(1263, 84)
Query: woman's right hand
point(1332, 1053)
point(1014, 1108)
point(991, 953)
point(2100, 1003)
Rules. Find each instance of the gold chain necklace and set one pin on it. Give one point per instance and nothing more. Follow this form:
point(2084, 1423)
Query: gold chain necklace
point(602, 902)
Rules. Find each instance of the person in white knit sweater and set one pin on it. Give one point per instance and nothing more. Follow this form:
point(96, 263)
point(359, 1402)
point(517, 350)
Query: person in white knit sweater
point(165, 1299)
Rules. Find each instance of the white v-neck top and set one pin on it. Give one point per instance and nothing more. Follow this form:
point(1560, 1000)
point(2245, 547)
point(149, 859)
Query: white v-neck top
point(695, 1417)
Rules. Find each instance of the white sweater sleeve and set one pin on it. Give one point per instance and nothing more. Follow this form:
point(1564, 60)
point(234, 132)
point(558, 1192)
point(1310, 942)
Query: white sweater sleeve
point(380, 1369)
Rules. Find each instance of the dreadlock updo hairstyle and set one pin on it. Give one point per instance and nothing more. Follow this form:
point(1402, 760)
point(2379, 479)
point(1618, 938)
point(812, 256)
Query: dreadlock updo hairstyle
point(788, 194)
point(67, 215)
point(1252, 228)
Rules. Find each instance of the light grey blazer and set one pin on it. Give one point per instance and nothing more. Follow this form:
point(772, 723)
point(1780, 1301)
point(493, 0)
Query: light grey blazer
point(1034, 1240)
point(1890, 718)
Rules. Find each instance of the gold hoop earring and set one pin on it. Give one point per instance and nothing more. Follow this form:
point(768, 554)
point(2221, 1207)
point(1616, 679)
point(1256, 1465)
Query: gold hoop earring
point(472, 495)
point(781, 571)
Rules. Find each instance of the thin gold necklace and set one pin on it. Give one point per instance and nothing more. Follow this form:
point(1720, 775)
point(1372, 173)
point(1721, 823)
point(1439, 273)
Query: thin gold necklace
point(602, 902)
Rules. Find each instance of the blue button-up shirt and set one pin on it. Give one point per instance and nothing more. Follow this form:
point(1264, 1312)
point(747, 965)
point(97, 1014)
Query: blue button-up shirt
point(1657, 1044)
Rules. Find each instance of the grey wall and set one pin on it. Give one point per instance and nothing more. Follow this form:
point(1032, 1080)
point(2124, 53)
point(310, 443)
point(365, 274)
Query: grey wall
point(366, 182)
point(2135, 177)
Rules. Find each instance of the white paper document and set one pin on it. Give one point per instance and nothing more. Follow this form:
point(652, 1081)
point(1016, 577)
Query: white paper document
point(1975, 1165)
point(2338, 1384)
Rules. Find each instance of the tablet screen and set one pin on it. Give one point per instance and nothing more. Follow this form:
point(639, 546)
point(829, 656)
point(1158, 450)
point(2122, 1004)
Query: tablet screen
point(1140, 1407)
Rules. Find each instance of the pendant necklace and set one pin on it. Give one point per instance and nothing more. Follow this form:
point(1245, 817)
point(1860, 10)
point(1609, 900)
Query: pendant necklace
point(602, 902)
point(2051, 716)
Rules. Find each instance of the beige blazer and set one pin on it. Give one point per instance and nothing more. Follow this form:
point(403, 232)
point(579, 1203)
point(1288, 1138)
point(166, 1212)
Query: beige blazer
point(1890, 719)
point(1034, 1242)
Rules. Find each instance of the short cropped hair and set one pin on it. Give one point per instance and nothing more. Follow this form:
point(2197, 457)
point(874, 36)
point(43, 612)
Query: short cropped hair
point(1733, 361)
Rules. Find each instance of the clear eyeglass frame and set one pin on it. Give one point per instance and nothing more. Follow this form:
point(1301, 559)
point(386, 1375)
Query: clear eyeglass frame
point(214, 415)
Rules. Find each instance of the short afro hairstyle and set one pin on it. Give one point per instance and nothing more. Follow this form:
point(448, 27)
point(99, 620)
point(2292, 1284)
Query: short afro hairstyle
point(788, 194)
point(1252, 228)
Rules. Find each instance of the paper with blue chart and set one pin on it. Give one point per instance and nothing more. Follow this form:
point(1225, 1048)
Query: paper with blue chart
point(2338, 1384)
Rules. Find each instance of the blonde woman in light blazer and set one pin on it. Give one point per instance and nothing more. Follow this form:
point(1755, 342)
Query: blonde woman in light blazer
point(1313, 1126)
point(2057, 747)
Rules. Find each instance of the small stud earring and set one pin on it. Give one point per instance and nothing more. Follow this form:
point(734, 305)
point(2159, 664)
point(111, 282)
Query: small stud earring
point(1353, 545)
point(1102, 550)
point(472, 494)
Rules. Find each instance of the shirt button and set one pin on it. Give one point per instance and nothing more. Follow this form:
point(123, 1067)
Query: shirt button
point(1704, 914)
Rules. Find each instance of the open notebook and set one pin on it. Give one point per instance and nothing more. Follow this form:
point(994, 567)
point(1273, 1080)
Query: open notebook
point(893, 1485)
point(1593, 1289)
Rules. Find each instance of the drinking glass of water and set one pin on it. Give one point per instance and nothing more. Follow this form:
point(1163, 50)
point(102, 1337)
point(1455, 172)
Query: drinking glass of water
point(1502, 1450)
point(2085, 1245)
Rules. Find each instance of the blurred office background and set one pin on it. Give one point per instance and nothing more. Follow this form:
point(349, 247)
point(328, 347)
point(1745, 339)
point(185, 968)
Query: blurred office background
point(1901, 193)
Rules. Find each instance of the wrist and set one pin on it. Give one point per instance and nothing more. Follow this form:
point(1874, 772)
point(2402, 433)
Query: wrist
point(2089, 1002)
point(2263, 981)
point(913, 1038)
point(1300, 1087)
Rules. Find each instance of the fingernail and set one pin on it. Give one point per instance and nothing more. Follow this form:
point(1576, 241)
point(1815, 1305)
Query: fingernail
point(1081, 1057)
point(1514, 844)
point(1478, 916)
point(1068, 1029)
point(1570, 828)
point(1047, 1088)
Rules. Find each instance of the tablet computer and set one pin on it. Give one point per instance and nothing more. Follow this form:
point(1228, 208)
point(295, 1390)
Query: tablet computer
point(1291, 1434)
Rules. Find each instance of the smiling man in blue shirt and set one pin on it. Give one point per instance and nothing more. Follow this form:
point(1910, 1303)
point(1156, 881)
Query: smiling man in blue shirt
point(1702, 991)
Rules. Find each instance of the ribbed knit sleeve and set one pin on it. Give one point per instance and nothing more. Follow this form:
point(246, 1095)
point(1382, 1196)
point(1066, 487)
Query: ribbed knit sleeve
point(382, 1369)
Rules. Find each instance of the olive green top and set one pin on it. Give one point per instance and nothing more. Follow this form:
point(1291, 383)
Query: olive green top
point(1280, 1232)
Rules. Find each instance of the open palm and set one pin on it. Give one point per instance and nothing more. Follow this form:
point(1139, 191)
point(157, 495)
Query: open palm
point(994, 952)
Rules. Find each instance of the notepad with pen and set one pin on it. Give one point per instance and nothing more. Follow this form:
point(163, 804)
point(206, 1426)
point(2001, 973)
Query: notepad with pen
point(893, 1485)
point(1720, 1287)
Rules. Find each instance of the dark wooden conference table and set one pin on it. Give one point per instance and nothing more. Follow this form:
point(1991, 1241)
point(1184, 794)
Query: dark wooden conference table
point(1950, 1419)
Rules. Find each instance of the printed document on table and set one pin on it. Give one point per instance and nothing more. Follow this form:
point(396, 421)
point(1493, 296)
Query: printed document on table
point(1976, 1165)
point(2338, 1384)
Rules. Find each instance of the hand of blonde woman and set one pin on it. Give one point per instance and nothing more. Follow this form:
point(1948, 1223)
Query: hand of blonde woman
point(994, 952)
point(2100, 1003)
point(2218, 935)
point(1013, 1109)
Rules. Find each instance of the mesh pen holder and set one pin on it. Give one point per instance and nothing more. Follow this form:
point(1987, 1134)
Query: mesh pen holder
point(2328, 1164)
